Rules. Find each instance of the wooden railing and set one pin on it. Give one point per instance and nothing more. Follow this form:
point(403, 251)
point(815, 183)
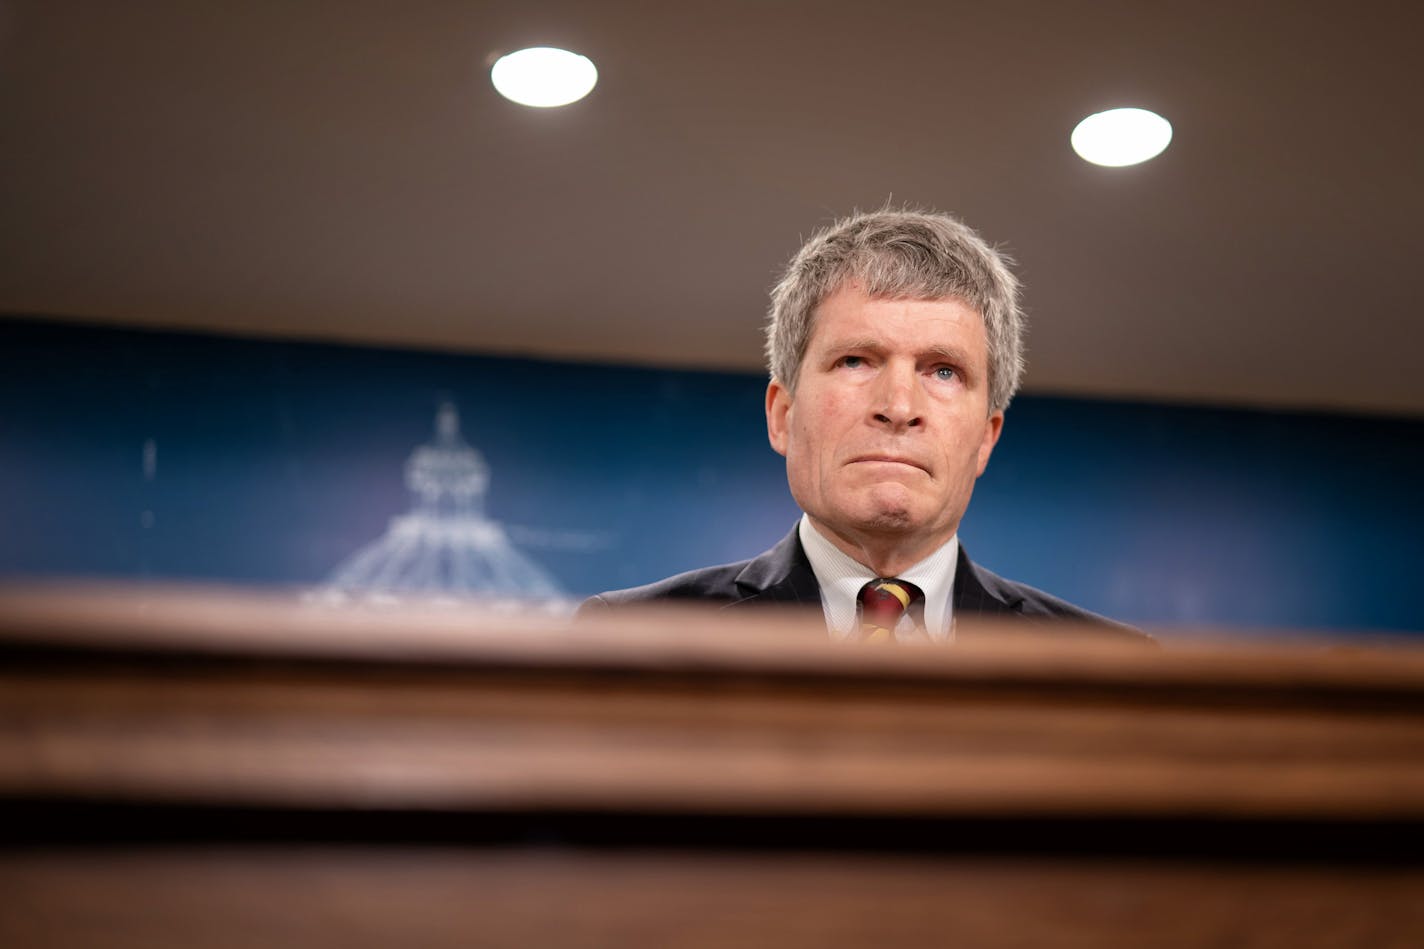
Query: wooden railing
point(206, 768)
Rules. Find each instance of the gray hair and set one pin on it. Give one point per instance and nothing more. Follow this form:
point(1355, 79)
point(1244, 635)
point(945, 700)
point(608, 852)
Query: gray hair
point(912, 255)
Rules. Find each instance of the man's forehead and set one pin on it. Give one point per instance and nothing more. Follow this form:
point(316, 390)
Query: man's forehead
point(854, 287)
point(839, 297)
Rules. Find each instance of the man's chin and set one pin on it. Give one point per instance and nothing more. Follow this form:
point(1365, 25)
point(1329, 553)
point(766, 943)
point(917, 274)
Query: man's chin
point(890, 522)
point(888, 502)
point(887, 515)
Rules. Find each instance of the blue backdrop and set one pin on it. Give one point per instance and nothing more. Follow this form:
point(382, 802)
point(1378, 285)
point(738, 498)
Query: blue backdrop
point(160, 455)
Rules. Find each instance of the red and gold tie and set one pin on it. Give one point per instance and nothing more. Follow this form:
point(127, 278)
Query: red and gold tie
point(882, 602)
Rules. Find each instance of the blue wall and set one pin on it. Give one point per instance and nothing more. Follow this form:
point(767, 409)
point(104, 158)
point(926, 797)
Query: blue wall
point(273, 461)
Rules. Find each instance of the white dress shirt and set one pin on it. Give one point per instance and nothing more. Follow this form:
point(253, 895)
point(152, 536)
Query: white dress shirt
point(841, 578)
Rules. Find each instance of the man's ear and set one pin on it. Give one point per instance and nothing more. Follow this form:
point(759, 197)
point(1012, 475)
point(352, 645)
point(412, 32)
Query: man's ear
point(993, 426)
point(778, 412)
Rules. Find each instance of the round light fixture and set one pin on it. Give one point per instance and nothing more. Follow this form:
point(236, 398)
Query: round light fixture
point(543, 76)
point(1120, 137)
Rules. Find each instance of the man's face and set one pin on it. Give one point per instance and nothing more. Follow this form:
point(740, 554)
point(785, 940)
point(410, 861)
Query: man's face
point(889, 425)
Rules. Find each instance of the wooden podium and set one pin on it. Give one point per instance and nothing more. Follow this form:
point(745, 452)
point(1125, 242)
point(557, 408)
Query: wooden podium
point(199, 768)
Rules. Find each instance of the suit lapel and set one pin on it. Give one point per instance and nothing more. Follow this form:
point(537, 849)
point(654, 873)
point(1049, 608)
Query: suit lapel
point(782, 575)
point(979, 592)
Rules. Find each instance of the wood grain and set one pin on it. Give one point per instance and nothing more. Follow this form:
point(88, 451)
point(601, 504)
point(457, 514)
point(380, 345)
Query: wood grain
point(214, 769)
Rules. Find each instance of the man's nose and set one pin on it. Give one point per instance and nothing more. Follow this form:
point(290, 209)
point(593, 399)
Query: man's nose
point(898, 402)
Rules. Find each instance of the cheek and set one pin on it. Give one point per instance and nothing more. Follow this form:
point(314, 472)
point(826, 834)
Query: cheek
point(821, 428)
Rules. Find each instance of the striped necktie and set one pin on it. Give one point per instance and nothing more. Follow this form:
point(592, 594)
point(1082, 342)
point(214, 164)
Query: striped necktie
point(882, 602)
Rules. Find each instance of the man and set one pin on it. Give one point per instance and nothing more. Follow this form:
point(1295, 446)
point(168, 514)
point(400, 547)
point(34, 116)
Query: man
point(895, 345)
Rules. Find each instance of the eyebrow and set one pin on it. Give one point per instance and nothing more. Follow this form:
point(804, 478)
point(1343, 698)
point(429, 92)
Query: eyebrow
point(860, 342)
point(953, 354)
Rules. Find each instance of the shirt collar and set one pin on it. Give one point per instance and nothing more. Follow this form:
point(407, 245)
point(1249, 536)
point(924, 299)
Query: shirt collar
point(841, 577)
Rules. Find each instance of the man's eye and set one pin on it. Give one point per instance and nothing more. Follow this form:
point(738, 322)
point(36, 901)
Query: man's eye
point(946, 373)
point(852, 362)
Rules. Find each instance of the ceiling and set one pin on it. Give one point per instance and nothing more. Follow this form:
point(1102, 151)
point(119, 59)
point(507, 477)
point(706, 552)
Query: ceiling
point(345, 171)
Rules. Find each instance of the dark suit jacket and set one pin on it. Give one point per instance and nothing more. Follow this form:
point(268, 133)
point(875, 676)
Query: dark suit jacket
point(782, 576)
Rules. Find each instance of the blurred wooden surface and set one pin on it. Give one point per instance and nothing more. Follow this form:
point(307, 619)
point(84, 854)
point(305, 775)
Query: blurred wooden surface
point(209, 768)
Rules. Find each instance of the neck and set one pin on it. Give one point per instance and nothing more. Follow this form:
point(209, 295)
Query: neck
point(885, 555)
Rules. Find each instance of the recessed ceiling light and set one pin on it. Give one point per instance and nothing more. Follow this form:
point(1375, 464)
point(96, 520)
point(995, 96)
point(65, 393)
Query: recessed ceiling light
point(543, 76)
point(1120, 137)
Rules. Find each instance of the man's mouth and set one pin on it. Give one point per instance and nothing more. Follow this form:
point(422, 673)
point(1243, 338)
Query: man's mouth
point(878, 458)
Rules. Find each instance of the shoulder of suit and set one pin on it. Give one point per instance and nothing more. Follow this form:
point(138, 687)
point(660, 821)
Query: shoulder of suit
point(1032, 602)
point(711, 584)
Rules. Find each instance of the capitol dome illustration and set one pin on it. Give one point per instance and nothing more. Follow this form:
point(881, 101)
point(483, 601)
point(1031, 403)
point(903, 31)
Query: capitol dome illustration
point(445, 548)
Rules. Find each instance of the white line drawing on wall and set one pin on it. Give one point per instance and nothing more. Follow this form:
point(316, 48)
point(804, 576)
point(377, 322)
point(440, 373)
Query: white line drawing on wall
point(445, 548)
